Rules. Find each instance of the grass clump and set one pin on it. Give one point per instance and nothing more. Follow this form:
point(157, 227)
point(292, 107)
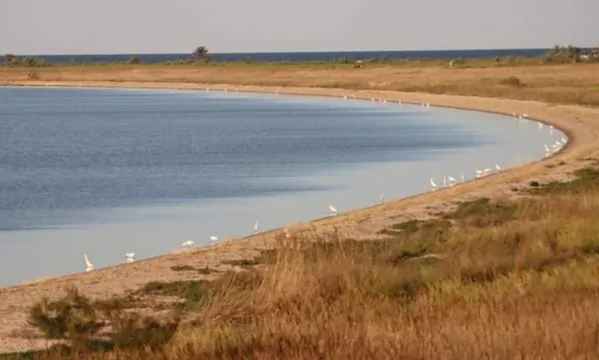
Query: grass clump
point(182, 268)
point(587, 178)
point(482, 212)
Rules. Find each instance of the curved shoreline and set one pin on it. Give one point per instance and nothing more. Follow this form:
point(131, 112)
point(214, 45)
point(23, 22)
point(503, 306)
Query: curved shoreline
point(319, 92)
point(578, 123)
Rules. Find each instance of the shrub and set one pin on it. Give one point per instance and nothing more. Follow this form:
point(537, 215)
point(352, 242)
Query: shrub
point(512, 81)
point(72, 317)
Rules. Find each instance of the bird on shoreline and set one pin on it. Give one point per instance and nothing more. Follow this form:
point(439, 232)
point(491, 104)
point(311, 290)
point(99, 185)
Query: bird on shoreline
point(187, 243)
point(381, 199)
point(129, 257)
point(433, 184)
point(213, 239)
point(256, 226)
point(88, 265)
point(333, 210)
point(451, 180)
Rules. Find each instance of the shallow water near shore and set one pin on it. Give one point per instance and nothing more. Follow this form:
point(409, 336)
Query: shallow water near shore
point(106, 171)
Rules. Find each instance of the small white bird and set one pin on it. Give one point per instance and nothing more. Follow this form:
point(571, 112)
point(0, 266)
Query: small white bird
point(213, 239)
point(497, 167)
point(486, 171)
point(547, 148)
point(564, 140)
point(187, 243)
point(333, 210)
point(382, 198)
point(129, 257)
point(256, 226)
point(88, 265)
point(462, 176)
point(444, 181)
point(479, 173)
point(433, 184)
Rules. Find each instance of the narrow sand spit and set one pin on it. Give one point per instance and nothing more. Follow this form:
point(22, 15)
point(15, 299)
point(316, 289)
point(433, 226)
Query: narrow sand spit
point(581, 125)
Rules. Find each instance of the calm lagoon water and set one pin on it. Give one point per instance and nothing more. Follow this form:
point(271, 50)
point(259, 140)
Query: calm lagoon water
point(106, 171)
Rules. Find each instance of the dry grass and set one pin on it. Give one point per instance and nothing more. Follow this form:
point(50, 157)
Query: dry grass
point(570, 84)
point(487, 280)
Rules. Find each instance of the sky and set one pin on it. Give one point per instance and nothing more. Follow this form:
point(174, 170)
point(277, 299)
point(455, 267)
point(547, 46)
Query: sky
point(178, 26)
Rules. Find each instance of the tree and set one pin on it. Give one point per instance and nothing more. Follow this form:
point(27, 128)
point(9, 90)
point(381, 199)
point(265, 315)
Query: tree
point(201, 53)
point(134, 60)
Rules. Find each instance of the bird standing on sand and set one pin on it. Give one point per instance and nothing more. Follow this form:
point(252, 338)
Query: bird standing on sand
point(88, 265)
point(129, 257)
point(213, 240)
point(381, 198)
point(256, 226)
point(333, 210)
point(497, 167)
point(187, 243)
point(451, 180)
point(433, 184)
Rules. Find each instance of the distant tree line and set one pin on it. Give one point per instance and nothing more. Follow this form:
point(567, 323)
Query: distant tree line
point(13, 60)
point(201, 55)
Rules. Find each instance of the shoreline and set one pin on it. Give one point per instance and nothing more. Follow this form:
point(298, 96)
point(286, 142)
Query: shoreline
point(269, 90)
point(578, 123)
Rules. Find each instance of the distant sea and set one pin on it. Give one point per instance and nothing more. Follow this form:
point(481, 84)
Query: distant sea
point(304, 56)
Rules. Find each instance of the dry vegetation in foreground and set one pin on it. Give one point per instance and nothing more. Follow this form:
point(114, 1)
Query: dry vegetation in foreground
point(559, 83)
point(486, 280)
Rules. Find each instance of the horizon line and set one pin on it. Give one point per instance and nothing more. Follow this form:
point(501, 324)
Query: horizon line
point(279, 52)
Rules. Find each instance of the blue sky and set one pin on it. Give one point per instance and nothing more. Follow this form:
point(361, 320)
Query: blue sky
point(153, 26)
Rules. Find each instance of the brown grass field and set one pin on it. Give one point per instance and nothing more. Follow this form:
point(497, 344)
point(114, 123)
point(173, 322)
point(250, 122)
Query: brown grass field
point(505, 267)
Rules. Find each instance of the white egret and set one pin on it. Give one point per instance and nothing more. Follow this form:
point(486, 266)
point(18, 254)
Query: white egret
point(256, 226)
point(382, 198)
point(462, 176)
point(187, 243)
point(213, 239)
point(497, 167)
point(88, 265)
point(129, 257)
point(333, 210)
point(433, 184)
point(564, 140)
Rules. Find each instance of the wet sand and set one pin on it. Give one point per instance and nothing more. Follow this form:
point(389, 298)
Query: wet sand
point(579, 123)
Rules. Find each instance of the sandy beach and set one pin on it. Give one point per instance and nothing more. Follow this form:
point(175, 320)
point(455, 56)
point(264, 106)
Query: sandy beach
point(581, 124)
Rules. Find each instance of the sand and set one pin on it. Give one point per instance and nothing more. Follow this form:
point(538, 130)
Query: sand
point(581, 125)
